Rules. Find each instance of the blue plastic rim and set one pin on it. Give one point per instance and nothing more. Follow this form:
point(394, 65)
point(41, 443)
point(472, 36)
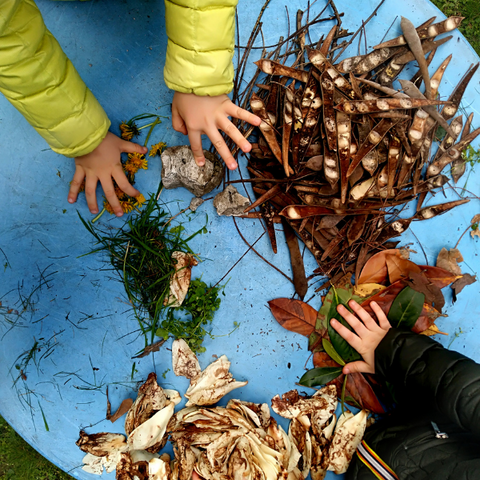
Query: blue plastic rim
point(80, 316)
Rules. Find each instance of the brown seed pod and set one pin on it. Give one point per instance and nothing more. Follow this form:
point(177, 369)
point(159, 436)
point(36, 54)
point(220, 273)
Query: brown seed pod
point(426, 31)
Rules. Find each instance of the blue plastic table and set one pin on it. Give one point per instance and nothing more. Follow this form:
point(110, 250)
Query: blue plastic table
point(76, 309)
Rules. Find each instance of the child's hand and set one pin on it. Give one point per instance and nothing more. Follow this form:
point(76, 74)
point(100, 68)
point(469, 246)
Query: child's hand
point(193, 115)
point(102, 165)
point(369, 334)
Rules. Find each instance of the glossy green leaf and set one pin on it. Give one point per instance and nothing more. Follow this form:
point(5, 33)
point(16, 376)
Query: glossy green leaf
point(328, 347)
point(320, 376)
point(341, 346)
point(406, 308)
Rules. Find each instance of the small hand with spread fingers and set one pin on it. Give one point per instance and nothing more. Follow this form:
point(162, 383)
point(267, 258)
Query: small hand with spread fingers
point(194, 115)
point(368, 334)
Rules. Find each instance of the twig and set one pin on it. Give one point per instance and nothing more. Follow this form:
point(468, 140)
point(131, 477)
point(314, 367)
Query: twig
point(253, 250)
point(358, 31)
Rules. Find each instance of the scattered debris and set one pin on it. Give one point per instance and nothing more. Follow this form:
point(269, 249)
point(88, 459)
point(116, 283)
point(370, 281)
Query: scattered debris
point(230, 202)
point(195, 203)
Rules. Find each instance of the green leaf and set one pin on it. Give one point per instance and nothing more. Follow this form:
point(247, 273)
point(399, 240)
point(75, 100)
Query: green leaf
point(328, 347)
point(177, 229)
point(406, 308)
point(320, 376)
point(341, 346)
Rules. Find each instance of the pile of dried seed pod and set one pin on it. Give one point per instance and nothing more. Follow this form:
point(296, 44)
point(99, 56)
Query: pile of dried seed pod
point(339, 149)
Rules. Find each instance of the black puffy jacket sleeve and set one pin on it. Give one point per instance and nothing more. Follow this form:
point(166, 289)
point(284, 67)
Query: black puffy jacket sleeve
point(426, 376)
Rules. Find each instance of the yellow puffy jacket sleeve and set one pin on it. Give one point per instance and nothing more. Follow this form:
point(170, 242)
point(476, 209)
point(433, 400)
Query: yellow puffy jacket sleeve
point(200, 46)
point(41, 82)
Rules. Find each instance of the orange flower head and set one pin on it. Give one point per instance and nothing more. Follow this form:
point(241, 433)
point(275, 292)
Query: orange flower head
point(138, 160)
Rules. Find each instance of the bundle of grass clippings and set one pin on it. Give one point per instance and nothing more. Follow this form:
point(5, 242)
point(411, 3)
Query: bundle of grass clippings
point(144, 253)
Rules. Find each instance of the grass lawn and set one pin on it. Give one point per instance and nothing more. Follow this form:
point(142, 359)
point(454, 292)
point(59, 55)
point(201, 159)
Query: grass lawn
point(19, 461)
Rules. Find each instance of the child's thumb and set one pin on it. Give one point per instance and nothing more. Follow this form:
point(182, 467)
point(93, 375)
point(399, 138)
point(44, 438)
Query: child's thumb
point(357, 367)
point(130, 147)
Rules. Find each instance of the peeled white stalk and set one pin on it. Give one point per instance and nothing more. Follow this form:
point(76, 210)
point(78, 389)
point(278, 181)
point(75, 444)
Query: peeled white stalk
point(152, 431)
point(348, 434)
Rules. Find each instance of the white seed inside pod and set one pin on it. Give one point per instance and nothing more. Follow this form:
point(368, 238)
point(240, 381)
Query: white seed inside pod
point(382, 104)
point(374, 137)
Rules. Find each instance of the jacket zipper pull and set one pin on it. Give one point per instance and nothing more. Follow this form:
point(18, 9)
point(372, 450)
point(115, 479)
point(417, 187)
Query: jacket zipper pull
point(438, 433)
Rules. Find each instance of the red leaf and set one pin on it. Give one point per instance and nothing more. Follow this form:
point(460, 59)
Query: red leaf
point(357, 385)
point(438, 276)
point(375, 270)
point(359, 389)
point(399, 268)
point(426, 319)
point(294, 315)
point(384, 298)
point(322, 359)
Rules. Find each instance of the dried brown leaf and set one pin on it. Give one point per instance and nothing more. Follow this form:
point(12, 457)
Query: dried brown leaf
point(448, 259)
point(154, 347)
point(462, 282)
point(121, 410)
point(433, 294)
point(294, 315)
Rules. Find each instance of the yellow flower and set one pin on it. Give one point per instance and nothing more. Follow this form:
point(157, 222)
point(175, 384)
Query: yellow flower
point(138, 160)
point(140, 200)
point(128, 130)
point(127, 205)
point(130, 168)
point(157, 149)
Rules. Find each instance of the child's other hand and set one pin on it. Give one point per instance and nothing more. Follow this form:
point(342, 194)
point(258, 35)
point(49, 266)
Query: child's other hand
point(193, 115)
point(368, 332)
point(102, 165)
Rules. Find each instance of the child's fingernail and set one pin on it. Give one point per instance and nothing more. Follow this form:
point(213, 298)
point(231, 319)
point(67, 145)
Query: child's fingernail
point(119, 214)
point(346, 370)
point(71, 200)
point(93, 212)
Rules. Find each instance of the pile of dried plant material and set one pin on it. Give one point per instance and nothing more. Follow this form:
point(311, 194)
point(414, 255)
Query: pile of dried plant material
point(243, 442)
point(147, 420)
point(409, 294)
point(145, 425)
point(238, 442)
point(340, 152)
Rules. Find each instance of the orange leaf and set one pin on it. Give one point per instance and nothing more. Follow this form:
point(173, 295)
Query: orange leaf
point(375, 270)
point(399, 268)
point(294, 315)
